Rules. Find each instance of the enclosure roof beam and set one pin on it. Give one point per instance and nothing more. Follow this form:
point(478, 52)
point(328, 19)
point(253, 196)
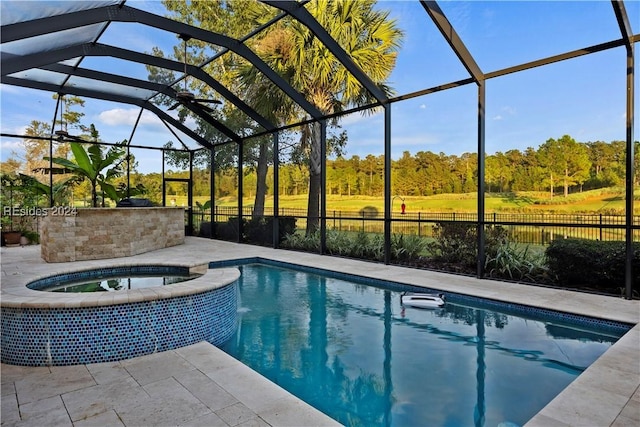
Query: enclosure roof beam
point(123, 13)
point(43, 61)
point(108, 97)
point(623, 21)
point(61, 22)
point(299, 12)
point(161, 88)
point(16, 63)
point(557, 58)
point(21, 63)
point(109, 78)
point(451, 36)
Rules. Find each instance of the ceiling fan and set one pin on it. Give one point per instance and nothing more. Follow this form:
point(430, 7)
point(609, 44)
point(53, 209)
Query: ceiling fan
point(62, 134)
point(184, 97)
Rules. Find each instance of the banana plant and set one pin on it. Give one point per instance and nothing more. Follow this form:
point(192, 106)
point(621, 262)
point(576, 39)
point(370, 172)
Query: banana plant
point(203, 207)
point(124, 191)
point(96, 166)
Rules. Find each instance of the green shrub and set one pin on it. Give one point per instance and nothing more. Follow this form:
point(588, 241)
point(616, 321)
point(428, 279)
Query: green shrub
point(260, 230)
point(376, 248)
point(360, 245)
point(405, 248)
point(510, 262)
point(456, 242)
point(338, 243)
point(299, 240)
point(591, 263)
point(227, 230)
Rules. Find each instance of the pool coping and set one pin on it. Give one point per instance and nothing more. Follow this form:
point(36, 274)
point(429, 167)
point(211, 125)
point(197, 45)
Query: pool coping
point(24, 297)
point(607, 393)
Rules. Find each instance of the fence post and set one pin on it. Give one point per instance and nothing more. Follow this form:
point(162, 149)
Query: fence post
point(419, 226)
point(601, 227)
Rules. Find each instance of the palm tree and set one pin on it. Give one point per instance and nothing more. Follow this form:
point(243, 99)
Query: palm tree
point(369, 36)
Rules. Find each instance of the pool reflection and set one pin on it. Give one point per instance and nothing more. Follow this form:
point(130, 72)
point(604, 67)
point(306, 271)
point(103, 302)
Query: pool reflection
point(352, 352)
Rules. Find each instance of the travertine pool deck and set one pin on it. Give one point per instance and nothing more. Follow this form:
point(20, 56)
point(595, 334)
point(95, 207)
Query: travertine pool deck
point(201, 385)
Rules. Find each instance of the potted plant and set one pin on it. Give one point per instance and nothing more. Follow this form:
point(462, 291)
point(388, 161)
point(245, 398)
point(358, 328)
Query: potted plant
point(10, 237)
point(25, 226)
point(9, 185)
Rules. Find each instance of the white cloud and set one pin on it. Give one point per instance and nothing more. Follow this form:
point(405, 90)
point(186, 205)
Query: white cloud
point(355, 118)
point(505, 112)
point(11, 147)
point(121, 116)
point(15, 130)
point(10, 144)
point(423, 106)
point(509, 110)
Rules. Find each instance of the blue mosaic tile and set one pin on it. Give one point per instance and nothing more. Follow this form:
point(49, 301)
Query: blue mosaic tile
point(71, 336)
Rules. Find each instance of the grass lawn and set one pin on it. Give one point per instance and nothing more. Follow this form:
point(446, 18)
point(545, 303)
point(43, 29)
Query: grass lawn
point(606, 201)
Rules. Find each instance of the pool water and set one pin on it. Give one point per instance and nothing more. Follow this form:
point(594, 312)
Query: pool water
point(351, 351)
point(110, 284)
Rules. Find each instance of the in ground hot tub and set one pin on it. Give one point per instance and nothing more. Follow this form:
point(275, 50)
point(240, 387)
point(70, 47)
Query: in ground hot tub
point(56, 329)
point(115, 279)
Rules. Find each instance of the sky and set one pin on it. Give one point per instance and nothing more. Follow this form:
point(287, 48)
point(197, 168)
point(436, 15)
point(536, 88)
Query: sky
point(583, 97)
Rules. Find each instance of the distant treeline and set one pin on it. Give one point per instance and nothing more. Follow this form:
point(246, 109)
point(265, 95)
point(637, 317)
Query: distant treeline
point(560, 165)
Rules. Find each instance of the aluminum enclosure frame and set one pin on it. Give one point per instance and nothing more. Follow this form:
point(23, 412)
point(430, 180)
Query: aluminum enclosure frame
point(50, 61)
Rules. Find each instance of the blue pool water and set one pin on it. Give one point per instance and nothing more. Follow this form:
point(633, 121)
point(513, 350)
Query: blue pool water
point(118, 283)
point(351, 351)
point(114, 279)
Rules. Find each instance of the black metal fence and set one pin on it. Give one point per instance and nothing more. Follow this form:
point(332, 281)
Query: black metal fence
point(539, 229)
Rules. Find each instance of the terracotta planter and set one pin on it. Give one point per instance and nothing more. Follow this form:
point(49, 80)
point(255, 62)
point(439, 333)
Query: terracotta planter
point(11, 238)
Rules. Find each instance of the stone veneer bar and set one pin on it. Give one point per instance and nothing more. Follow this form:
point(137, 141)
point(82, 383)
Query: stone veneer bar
point(100, 233)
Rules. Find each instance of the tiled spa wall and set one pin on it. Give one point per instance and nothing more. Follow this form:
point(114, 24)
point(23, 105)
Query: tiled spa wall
point(81, 335)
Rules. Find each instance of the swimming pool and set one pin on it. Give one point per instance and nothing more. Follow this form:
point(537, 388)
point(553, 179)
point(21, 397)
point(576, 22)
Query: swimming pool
point(349, 350)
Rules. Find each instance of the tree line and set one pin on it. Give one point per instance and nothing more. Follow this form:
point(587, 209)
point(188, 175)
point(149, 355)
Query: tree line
point(559, 165)
point(308, 66)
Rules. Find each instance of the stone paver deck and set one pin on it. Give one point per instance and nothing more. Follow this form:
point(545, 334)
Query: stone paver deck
point(196, 385)
point(201, 385)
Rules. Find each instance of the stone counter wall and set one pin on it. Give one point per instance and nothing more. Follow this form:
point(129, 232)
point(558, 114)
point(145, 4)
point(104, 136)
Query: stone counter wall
point(99, 233)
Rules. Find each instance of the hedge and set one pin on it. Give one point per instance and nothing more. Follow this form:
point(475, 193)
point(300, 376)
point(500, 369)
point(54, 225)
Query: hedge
point(591, 263)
